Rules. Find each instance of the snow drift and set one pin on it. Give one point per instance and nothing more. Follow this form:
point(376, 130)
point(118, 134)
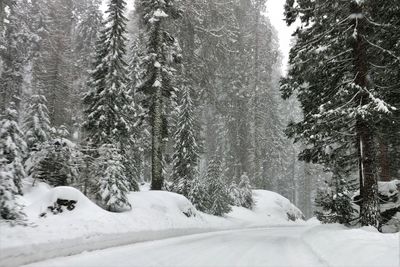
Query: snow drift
point(154, 215)
point(340, 246)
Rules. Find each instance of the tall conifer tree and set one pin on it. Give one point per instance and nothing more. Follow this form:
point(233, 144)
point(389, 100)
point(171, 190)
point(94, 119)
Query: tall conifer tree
point(109, 107)
point(186, 149)
point(332, 70)
point(162, 53)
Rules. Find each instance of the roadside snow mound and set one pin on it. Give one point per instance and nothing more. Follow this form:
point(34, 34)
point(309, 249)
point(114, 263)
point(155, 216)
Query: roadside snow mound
point(270, 208)
point(154, 215)
point(275, 205)
point(82, 204)
point(356, 247)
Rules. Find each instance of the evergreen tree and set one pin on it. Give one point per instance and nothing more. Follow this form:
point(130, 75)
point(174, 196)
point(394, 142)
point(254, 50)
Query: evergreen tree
point(337, 87)
point(335, 202)
point(12, 146)
point(85, 34)
point(15, 40)
point(140, 149)
point(234, 193)
point(186, 149)
point(53, 65)
point(198, 194)
point(246, 195)
point(10, 210)
point(109, 107)
point(112, 185)
point(62, 132)
point(108, 104)
point(161, 53)
point(36, 125)
point(217, 191)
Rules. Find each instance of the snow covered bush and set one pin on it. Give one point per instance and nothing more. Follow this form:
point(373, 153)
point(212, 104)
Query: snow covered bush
point(55, 162)
point(335, 203)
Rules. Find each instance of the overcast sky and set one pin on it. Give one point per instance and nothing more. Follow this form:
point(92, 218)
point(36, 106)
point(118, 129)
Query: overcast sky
point(275, 13)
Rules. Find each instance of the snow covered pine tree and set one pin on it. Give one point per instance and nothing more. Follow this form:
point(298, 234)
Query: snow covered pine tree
point(159, 75)
point(112, 183)
point(218, 193)
point(12, 149)
point(333, 71)
point(186, 149)
point(12, 146)
point(109, 107)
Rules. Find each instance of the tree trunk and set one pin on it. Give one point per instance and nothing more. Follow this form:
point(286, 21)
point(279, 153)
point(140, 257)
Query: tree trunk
point(157, 178)
point(384, 161)
point(365, 139)
point(307, 191)
point(256, 143)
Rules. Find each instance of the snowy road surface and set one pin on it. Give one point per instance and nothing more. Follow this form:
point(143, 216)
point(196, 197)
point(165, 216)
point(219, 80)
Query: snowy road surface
point(274, 246)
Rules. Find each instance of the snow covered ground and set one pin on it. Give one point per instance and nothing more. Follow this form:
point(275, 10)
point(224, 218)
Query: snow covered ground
point(262, 237)
point(154, 215)
point(274, 246)
point(278, 246)
point(364, 247)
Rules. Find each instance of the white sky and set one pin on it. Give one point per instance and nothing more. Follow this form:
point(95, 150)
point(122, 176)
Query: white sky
point(275, 13)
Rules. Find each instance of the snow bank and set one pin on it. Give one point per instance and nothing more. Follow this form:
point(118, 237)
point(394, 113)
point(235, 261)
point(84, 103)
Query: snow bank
point(275, 206)
point(389, 200)
point(389, 189)
point(154, 215)
point(270, 208)
point(365, 247)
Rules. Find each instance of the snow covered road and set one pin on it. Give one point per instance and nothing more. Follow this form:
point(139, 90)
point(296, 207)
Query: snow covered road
point(273, 246)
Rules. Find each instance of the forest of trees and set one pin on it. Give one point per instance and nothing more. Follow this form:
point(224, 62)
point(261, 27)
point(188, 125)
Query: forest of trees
point(187, 95)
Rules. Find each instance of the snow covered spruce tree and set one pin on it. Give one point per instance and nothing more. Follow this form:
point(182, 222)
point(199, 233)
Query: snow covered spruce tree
point(334, 73)
point(36, 125)
point(112, 182)
point(109, 107)
point(246, 195)
point(218, 193)
point(15, 42)
point(107, 102)
point(198, 194)
point(12, 147)
point(186, 149)
point(10, 210)
point(161, 54)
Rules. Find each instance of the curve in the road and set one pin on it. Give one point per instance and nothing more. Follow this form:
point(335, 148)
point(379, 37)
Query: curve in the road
point(275, 246)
